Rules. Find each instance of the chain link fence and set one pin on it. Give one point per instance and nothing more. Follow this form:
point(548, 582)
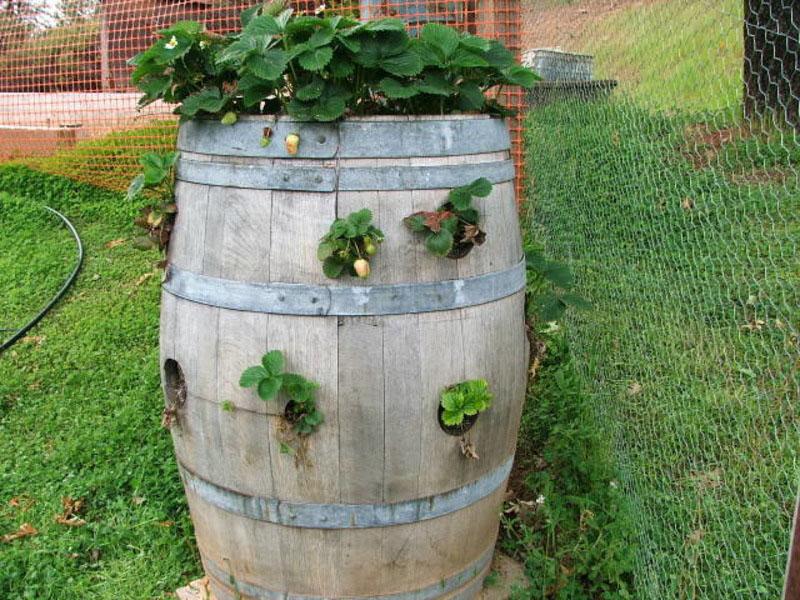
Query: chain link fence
point(664, 161)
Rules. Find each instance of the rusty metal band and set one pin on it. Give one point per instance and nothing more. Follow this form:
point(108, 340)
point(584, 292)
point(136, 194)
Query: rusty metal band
point(230, 587)
point(320, 300)
point(346, 516)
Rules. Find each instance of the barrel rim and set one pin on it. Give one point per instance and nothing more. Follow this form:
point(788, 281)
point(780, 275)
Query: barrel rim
point(369, 137)
point(359, 119)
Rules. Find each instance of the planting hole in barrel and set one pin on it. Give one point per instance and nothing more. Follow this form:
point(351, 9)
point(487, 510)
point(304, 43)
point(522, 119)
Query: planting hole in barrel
point(174, 383)
point(461, 428)
point(293, 411)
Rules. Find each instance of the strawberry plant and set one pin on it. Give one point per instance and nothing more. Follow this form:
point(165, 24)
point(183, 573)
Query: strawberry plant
point(269, 379)
point(323, 68)
point(156, 183)
point(349, 244)
point(549, 287)
point(453, 229)
point(460, 404)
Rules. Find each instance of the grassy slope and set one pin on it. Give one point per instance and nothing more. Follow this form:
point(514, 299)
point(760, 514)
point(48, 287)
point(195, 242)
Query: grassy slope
point(672, 53)
point(680, 264)
point(80, 409)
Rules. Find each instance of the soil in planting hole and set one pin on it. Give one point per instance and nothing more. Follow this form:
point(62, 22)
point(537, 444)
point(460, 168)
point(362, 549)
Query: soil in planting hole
point(457, 430)
point(460, 249)
point(293, 412)
point(174, 383)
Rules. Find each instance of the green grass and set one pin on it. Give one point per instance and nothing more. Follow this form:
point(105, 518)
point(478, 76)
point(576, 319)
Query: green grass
point(80, 406)
point(575, 535)
point(33, 267)
point(671, 53)
point(690, 352)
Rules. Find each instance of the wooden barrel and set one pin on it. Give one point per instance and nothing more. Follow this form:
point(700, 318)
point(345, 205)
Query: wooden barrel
point(387, 505)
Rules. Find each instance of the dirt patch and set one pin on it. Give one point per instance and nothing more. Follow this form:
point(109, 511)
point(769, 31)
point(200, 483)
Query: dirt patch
point(702, 145)
point(566, 26)
point(762, 177)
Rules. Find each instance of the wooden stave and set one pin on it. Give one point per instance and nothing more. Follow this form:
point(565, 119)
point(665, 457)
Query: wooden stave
point(205, 430)
point(347, 563)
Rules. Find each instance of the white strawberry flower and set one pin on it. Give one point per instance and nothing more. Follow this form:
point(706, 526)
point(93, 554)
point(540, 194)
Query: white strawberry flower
point(203, 44)
point(172, 43)
point(540, 500)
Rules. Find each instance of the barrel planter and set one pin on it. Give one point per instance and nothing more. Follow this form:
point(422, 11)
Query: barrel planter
point(386, 504)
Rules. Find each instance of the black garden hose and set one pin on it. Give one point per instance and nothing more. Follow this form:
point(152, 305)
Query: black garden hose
point(27, 327)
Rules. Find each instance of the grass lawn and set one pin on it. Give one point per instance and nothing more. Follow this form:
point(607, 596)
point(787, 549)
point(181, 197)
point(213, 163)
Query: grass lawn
point(671, 53)
point(80, 406)
point(691, 349)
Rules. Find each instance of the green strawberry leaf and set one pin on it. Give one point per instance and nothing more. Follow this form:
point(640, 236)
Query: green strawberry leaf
point(273, 362)
point(440, 243)
point(268, 388)
point(440, 37)
point(333, 267)
point(395, 89)
point(252, 376)
point(315, 59)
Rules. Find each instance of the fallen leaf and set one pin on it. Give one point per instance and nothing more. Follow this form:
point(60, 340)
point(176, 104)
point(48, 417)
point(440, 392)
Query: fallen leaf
point(708, 480)
point(166, 523)
point(33, 339)
point(115, 243)
point(468, 449)
point(754, 325)
point(168, 417)
point(695, 537)
point(69, 516)
point(71, 521)
point(22, 502)
point(687, 203)
point(25, 530)
point(144, 278)
point(138, 500)
point(634, 388)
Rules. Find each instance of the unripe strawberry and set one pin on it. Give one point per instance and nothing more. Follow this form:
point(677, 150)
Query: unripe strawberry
point(292, 143)
point(229, 118)
point(369, 247)
point(362, 268)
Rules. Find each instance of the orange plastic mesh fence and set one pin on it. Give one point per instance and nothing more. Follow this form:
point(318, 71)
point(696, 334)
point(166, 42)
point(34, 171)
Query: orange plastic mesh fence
point(66, 102)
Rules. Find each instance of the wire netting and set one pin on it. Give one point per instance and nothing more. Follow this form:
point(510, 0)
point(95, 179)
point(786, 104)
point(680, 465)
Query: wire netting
point(663, 158)
point(66, 102)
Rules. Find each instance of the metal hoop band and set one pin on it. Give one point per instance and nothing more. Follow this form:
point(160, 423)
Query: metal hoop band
point(319, 300)
point(346, 516)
